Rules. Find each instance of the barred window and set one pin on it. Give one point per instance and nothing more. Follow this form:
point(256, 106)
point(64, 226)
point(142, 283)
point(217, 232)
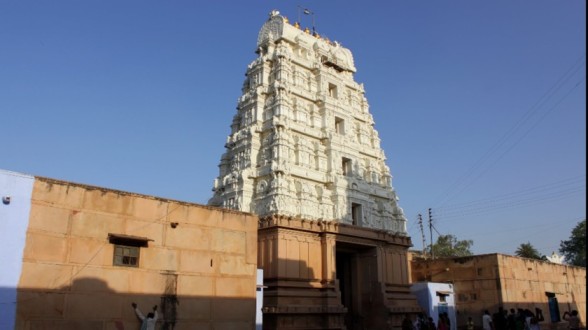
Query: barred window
point(127, 249)
point(126, 256)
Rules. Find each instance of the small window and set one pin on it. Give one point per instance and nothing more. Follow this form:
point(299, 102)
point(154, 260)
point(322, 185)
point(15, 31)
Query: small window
point(339, 126)
point(127, 249)
point(442, 296)
point(356, 213)
point(332, 90)
point(229, 202)
point(126, 256)
point(346, 166)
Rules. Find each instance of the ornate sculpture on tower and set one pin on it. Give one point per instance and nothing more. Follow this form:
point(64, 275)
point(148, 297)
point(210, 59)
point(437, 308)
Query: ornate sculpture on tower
point(302, 142)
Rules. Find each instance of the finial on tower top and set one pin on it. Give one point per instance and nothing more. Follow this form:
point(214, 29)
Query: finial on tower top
point(274, 13)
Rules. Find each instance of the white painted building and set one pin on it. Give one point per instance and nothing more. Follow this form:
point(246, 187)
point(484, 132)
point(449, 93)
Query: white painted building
point(303, 142)
point(435, 299)
point(15, 192)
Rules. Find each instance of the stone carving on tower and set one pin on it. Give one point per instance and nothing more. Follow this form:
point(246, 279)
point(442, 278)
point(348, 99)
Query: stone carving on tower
point(303, 143)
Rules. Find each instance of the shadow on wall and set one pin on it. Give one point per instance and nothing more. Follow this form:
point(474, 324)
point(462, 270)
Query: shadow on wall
point(91, 304)
point(7, 307)
point(291, 288)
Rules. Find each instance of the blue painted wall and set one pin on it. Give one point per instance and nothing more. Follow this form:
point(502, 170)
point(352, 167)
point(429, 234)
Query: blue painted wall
point(14, 220)
point(426, 294)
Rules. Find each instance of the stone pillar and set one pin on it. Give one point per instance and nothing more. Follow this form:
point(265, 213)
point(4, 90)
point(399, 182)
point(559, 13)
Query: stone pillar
point(328, 254)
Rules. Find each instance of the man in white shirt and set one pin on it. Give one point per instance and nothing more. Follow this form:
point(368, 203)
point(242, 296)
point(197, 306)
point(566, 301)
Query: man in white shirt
point(147, 322)
point(487, 321)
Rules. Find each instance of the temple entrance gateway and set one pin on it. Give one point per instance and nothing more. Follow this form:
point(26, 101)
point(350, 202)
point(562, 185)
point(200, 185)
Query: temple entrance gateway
point(347, 281)
point(326, 275)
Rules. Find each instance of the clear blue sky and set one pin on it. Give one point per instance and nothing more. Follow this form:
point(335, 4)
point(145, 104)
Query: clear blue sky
point(480, 105)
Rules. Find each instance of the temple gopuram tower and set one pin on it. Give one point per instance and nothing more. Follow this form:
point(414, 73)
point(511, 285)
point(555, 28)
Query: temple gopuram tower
point(304, 156)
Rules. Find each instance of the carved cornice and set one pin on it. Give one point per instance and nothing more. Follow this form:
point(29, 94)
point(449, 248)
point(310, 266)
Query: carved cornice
point(343, 232)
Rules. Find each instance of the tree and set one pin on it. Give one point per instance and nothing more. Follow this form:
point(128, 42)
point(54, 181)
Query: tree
point(527, 250)
point(449, 246)
point(574, 249)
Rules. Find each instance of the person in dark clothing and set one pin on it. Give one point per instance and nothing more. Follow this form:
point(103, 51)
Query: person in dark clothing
point(445, 317)
point(407, 323)
point(511, 320)
point(470, 324)
point(528, 316)
point(499, 320)
point(443, 323)
point(421, 322)
point(520, 319)
point(573, 320)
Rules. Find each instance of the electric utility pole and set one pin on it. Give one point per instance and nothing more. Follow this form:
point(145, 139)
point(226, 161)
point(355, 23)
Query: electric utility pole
point(431, 233)
point(422, 234)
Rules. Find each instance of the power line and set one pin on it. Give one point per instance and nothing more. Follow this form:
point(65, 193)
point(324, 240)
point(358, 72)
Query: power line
point(537, 227)
point(422, 232)
point(527, 235)
point(523, 136)
point(525, 197)
point(527, 191)
point(509, 205)
point(452, 191)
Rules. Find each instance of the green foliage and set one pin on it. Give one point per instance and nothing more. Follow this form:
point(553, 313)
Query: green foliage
point(449, 246)
point(574, 249)
point(527, 250)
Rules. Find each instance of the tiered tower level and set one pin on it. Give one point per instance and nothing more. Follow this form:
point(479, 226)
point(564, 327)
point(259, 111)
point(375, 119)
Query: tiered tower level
point(303, 142)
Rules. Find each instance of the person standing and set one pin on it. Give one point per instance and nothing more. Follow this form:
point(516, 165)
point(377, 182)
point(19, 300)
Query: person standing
point(534, 323)
point(528, 316)
point(470, 323)
point(447, 320)
point(420, 323)
point(511, 320)
point(520, 319)
point(487, 321)
point(499, 319)
point(442, 323)
point(573, 320)
point(407, 323)
point(147, 322)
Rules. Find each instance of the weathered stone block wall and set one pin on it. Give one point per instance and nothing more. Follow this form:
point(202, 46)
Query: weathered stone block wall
point(526, 282)
point(199, 265)
point(489, 281)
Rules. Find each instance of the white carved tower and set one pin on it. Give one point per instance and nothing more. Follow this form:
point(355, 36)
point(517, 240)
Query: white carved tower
point(302, 142)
